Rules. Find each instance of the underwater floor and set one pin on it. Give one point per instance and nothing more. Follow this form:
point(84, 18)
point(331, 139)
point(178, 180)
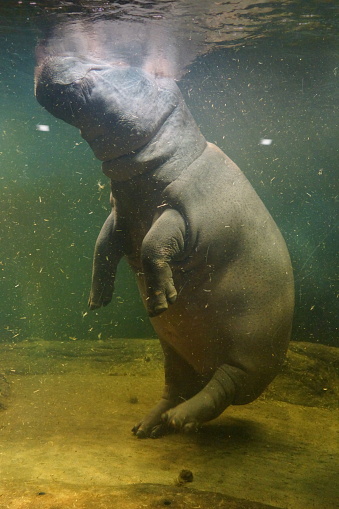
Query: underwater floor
point(66, 439)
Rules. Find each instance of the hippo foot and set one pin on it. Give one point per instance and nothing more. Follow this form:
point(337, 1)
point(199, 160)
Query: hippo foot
point(163, 293)
point(152, 426)
point(96, 304)
point(191, 414)
point(167, 417)
point(157, 431)
point(100, 295)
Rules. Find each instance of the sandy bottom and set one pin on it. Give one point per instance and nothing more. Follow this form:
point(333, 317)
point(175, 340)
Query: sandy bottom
point(66, 440)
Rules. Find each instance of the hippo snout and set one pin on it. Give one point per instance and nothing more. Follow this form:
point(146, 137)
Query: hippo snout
point(59, 87)
point(117, 108)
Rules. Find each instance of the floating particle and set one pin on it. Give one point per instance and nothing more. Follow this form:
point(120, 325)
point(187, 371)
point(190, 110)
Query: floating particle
point(265, 141)
point(42, 127)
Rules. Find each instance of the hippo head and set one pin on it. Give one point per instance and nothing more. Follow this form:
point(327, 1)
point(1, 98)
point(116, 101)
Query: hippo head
point(120, 110)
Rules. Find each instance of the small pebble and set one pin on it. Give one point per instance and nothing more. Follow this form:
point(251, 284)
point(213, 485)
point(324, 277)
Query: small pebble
point(185, 476)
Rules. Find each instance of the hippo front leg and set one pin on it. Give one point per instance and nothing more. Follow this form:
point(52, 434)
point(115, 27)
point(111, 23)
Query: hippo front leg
point(163, 244)
point(107, 254)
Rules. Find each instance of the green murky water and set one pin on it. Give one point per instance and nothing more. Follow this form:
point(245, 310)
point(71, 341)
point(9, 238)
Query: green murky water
point(279, 82)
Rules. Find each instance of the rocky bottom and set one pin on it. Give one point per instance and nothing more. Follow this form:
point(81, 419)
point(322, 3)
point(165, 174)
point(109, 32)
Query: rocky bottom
point(67, 411)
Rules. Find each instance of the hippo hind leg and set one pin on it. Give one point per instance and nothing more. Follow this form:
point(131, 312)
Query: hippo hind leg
point(229, 385)
point(182, 383)
point(207, 404)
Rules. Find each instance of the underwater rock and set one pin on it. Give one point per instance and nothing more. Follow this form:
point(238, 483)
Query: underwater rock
point(309, 376)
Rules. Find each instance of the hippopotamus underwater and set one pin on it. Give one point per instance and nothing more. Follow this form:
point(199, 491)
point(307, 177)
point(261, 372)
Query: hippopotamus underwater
point(212, 267)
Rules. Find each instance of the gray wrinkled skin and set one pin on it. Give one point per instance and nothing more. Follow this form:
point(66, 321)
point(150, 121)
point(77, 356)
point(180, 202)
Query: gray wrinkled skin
point(211, 265)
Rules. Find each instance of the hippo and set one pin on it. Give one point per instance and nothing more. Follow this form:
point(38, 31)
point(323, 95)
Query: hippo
point(211, 265)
